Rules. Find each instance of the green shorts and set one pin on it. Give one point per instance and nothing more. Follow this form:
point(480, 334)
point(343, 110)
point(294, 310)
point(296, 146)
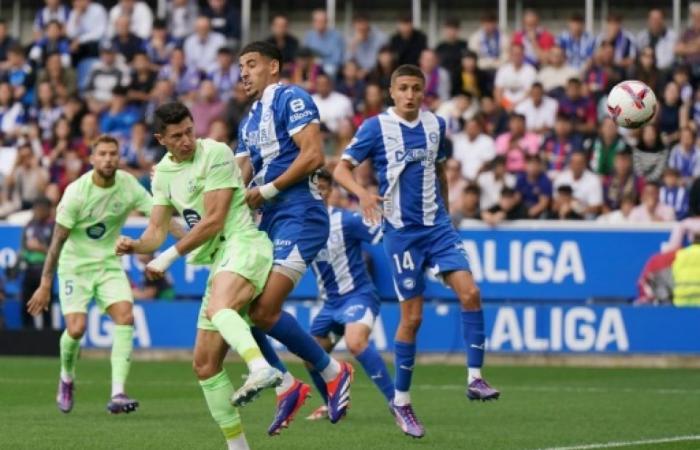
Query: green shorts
point(250, 258)
point(106, 286)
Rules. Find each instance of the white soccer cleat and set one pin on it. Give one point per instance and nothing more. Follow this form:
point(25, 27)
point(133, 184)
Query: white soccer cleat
point(268, 377)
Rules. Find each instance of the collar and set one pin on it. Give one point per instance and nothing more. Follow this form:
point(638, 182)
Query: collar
point(403, 121)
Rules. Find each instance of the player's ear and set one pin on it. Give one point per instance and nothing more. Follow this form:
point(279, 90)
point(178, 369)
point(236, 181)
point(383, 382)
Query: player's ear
point(159, 138)
point(275, 66)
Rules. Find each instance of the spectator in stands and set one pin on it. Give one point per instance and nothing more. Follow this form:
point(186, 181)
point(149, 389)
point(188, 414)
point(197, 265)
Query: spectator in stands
point(565, 206)
point(645, 69)
point(555, 74)
point(159, 46)
point(473, 148)
point(622, 215)
point(471, 80)
point(605, 146)
point(326, 42)
point(688, 46)
point(365, 43)
point(62, 79)
point(534, 187)
point(104, 76)
point(651, 209)
point(201, 47)
point(36, 238)
point(86, 26)
point(586, 185)
point(46, 112)
point(341, 139)
point(672, 115)
point(236, 108)
point(578, 45)
point(492, 181)
point(55, 146)
point(89, 130)
point(206, 109)
point(125, 41)
point(381, 74)
point(163, 92)
point(534, 38)
point(450, 51)
point(685, 156)
point(437, 79)
point(225, 75)
point(694, 199)
point(137, 156)
point(661, 39)
point(623, 41)
point(468, 208)
point(352, 83)
point(184, 78)
point(603, 73)
point(224, 19)
point(6, 42)
point(52, 41)
point(516, 143)
point(408, 42)
point(495, 117)
point(514, 80)
point(27, 181)
point(372, 104)
point(539, 110)
point(20, 74)
point(181, 17)
point(489, 44)
point(332, 106)
point(456, 111)
point(579, 108)
point(509, 207)
point(12, 115)
point(674, 193)
point(305, 70)
point(218, 131)
point(139, 14)
point(143, 80)
point(281, 38)
point(118, 119)
point(560, 144)
point(54, 10)
point(621, 182)
point(455, 183)
point(144, 289)
point(681, 77)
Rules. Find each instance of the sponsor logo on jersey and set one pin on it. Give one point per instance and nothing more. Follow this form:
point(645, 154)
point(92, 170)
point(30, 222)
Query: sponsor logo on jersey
point(192, 217)
point(415, 155)
point(300, 115)
point(96, 231)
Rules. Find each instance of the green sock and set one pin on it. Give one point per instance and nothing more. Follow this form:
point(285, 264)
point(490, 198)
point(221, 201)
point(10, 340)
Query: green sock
point(236, 333)
point(122, 345)
point(69, 355)
point(217, 392)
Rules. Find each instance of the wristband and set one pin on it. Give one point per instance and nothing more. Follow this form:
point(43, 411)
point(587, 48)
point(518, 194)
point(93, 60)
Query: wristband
point(268, 190)
point(165, 259)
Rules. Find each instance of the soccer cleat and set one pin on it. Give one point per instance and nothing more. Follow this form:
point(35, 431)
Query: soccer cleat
point(479, 389)
point(121, 403)
point(254, 384)
point(64, 397)
point(406, 419)
point(288, 405)
point(339, 392)
point(319, 413)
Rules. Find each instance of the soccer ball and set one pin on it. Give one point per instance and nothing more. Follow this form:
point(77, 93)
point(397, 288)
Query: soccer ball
point(631, 104)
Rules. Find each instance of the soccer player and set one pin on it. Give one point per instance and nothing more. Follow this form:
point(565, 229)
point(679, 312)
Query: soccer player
point(279, 148)
point(200, 179)
point(351, 303)
point(407, 149)
point(88, 221)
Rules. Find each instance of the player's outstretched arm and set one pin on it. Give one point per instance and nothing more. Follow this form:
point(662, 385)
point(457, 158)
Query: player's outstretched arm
point(40, 299)
point(370, 204)
point(152, 237)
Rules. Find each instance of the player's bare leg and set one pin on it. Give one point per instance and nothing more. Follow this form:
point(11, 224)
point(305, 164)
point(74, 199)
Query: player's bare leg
point(122, 347)
point(70, 348)
point(462, 283)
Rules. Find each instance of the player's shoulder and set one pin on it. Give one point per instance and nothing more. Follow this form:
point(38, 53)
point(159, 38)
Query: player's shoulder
point(372, 124)
point(124, 178)
point(287, 92)
point(212, 149)
point(78, 186)
point(431, 116)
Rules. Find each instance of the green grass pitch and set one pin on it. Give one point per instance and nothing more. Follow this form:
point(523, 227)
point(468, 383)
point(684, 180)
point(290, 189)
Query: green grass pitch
point(540, 407)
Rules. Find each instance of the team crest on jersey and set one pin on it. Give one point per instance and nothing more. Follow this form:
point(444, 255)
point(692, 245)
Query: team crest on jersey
point(191, 216)
point(408, 283)
point(323, 255)
point(192, 185)
point(117, 206)
point(267, 115)
point(335, 237)
point(433, 136)
point(96, 231)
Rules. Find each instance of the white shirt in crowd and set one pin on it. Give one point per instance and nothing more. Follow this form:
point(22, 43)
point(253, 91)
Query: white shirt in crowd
point(664, 49)
point(89, 26)
point(491, 188)
point(556, 77)
point(141, 19)
point(472, 154)
point(333, 108)
point(516, 83)
point(201, 54)
point(588, 189)
point(663, 213)
point(538, 117)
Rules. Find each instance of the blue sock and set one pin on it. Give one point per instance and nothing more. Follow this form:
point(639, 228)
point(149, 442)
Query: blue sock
point(319, 383)
point(288, 331)
point(473, 328)
point(267, 350)
point(405, 358)
point(376, 370)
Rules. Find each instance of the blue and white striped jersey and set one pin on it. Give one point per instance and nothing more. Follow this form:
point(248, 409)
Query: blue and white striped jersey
point(339, 266)
point(404, 155)
point(265, 135)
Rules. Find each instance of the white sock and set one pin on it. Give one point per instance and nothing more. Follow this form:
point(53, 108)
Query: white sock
point(402, 398)
point(65, 377)
point(257, 364)
point(287, 383)
point(331, 371)
point(238, 443)
point(117, 388)
point(474, 373)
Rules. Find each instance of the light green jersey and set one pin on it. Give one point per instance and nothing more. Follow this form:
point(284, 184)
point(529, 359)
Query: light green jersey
point(95, 217)
point(183, 185)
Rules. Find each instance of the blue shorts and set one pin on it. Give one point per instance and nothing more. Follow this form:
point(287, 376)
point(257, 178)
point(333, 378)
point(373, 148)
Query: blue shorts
point(412, 250)
point(298, 232)
point(360, 307)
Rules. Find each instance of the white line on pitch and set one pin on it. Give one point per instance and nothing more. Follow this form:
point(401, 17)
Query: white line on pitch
point(692, 437)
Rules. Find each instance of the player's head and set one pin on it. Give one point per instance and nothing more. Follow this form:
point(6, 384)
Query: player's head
point(173, 128)
point(407, 89)
point(105, 156)
point(325, 184)
point(260, 64)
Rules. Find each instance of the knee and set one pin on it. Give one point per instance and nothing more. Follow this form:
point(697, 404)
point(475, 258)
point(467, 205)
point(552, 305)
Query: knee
point(411, 322)
point(263, 316)
point(356, 345)
point(205, 369)
point(211, 311)
point(470, 298)
point(76, 331)
point(126, 318)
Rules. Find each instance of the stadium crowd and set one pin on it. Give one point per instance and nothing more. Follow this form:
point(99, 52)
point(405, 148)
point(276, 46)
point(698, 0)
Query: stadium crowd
point(526, 113)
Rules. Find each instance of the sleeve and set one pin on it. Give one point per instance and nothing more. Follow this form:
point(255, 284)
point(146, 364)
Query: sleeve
point(442, 144)
point(358, 229)
point(68, 208)
point(160, 191)
point(241, 149)
point(299, 109)
point(222, 171)
point(143, 202)
point(362, 145)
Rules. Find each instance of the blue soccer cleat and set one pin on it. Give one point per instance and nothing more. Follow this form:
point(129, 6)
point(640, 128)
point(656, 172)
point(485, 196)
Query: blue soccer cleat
point(64, 397)
point(479, 389)
point(339, 392)
point(121, 403)
point(406, 419)
point(288, 405)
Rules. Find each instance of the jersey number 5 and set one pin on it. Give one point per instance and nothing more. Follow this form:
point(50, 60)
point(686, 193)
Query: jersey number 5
point(406, 264)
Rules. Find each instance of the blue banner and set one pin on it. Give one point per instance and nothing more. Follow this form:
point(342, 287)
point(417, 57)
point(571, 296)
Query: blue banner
point(545, 262)
point(509, 329)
